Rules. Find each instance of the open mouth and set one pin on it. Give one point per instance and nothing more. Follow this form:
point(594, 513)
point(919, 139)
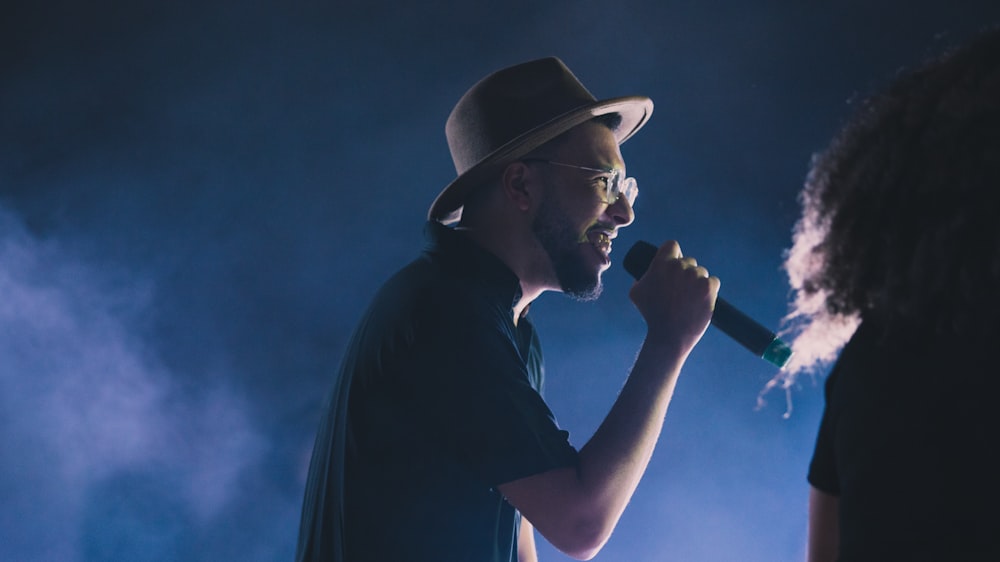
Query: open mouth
point(600, 240)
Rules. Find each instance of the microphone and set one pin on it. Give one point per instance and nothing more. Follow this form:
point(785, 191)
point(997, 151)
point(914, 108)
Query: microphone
point(759, 340)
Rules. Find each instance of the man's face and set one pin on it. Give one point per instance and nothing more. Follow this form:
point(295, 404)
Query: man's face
point(573, 224)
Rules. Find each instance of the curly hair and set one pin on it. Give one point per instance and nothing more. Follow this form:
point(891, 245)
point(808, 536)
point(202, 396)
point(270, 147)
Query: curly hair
point(901, 212)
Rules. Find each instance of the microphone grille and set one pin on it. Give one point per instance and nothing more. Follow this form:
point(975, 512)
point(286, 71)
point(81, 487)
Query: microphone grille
point(638, 258)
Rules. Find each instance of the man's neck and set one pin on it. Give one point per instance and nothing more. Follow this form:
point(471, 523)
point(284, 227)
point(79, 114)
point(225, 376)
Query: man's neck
point(506, 250)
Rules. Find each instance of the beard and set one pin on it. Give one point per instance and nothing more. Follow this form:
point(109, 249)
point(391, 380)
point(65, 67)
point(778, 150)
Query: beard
point(561, 242)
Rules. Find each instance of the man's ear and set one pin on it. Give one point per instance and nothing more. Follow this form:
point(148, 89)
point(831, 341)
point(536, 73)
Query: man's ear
point(517, 186)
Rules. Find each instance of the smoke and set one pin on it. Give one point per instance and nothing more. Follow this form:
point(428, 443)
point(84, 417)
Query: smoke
point(93, 425)
point(817, 334)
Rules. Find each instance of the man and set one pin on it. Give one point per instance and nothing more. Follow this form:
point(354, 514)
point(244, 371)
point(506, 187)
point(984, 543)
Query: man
point(437, 444)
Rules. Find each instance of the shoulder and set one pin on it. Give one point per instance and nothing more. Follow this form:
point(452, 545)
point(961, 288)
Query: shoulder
point(428, 296)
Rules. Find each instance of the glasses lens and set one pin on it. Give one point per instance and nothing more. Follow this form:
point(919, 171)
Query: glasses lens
point(629, 189)
point(614, 188)
point(619, 186)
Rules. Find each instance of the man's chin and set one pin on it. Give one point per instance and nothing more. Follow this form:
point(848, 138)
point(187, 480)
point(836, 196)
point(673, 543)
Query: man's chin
point(584, 291)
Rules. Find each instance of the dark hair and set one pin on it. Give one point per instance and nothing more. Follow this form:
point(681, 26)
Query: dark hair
point(901, 213)
point(610, 120)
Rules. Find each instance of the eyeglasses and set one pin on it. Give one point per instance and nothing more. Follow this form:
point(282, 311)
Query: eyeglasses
point(615, 184)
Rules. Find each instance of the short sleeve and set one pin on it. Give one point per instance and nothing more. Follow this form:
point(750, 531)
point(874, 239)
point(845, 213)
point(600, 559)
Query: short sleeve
point(823, 467)
point(470, 385)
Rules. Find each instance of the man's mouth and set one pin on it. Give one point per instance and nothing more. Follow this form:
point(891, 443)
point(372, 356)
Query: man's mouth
point(600, 240)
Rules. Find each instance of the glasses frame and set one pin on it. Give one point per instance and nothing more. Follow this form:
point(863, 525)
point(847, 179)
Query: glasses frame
point(616, 186)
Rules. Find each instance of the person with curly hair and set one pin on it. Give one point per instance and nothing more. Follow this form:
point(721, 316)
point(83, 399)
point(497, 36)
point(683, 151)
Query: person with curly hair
point(897, 253)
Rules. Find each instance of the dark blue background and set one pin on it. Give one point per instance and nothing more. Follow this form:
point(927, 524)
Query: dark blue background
point(197, 199)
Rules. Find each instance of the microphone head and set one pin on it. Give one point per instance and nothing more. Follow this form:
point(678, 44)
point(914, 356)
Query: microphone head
point(638, 258)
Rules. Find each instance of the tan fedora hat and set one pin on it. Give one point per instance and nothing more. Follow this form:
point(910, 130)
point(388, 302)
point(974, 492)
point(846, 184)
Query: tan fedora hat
point(514, 111)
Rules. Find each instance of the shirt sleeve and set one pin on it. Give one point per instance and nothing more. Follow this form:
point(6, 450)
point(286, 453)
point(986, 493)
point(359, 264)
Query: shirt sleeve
point(469, 384)
point(823, 467)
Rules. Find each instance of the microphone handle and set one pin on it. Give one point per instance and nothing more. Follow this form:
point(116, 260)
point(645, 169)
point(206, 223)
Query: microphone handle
point(746, 331)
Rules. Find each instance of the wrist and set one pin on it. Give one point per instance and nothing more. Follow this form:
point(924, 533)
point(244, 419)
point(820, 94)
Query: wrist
point(666, 346)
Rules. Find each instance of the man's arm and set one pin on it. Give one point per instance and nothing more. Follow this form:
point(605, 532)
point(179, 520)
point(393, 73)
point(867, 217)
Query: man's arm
point(526, 543)
point(824, 527)
point(576, 509)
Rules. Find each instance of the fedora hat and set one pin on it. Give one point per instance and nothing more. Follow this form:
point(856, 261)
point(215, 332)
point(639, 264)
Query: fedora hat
point(514, 111)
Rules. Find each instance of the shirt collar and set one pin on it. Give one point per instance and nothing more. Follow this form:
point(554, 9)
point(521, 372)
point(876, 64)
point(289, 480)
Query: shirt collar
point(464, 257)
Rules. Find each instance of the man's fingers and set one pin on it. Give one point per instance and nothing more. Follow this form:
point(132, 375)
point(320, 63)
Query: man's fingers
point(670, 249)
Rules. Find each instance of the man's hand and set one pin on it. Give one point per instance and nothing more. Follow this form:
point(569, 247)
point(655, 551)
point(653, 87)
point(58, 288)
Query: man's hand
point(676, 297)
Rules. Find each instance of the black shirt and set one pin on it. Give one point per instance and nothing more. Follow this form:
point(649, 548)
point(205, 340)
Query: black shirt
point(908, 442)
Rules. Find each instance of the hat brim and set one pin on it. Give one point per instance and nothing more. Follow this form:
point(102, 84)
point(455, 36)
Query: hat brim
point(634, 111)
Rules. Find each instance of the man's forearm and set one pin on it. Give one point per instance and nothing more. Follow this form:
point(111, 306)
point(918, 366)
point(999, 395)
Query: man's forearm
point(615, 458)
point(576, 509)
